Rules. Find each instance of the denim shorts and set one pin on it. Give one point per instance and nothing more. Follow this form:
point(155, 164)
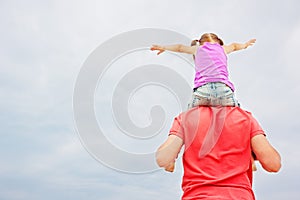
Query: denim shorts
point(213, 94)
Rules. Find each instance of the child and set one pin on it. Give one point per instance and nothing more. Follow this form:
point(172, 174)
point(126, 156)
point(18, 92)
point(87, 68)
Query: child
point(212, 86)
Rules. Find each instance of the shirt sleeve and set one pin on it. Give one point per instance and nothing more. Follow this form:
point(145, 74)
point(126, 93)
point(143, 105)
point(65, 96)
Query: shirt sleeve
point(255, 128)
point(177, 128)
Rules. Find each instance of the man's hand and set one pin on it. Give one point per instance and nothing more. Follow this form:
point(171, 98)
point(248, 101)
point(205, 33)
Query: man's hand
point(170, 167)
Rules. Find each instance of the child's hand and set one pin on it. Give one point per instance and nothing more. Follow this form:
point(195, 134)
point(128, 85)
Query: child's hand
point(170, 167)
point(250, 42)
point(160, 49)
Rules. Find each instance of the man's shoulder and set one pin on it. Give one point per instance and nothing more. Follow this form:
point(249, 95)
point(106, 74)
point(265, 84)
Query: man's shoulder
point(239, 111)
point(208, 110)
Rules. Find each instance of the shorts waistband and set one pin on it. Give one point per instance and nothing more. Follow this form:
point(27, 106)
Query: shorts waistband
point(212, 84)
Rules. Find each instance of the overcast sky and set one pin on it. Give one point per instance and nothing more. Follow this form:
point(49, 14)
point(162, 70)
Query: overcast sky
point(43, 47)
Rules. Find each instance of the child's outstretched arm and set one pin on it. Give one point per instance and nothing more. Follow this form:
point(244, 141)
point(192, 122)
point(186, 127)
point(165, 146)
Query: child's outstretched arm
point(175, 48)
point(238, 46)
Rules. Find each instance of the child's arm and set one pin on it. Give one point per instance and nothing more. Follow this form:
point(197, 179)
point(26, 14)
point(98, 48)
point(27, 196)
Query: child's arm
point(237, 46)
point(175, 48)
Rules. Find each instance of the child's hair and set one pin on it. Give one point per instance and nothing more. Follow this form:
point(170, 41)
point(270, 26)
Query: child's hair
point(207, 37)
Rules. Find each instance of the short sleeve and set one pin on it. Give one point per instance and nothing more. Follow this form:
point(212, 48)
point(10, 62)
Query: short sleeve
point(177, 128)
point(255, 128)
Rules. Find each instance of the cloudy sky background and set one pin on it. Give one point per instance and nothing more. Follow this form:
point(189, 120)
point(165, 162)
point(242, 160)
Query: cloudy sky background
point(44, 45)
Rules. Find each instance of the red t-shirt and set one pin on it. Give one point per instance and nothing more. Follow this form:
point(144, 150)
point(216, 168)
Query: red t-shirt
point(217, 152)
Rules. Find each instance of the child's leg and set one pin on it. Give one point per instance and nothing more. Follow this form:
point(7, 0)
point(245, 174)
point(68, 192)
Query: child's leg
point(198, 100)
point(201, 97)
point(223, 95)
point(253, 164)
point(253, 158)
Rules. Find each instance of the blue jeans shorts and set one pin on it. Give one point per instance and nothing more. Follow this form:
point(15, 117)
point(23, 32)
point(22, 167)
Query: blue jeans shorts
point(213, 94)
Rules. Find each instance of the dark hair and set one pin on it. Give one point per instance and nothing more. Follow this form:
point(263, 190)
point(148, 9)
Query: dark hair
point(194, 42)
point(208, 37)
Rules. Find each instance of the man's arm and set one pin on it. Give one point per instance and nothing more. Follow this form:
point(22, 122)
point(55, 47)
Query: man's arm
point(265, 153)
point(168, 152)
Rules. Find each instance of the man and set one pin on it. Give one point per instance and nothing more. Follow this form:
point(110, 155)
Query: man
point(218, 143)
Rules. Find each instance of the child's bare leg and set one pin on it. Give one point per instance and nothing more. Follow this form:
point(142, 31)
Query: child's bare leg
point(253, 164)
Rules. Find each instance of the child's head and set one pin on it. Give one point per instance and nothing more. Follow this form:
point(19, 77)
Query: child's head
point(207, 37)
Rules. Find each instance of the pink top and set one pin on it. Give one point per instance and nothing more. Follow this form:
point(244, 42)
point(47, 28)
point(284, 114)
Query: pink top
point(211, 65)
